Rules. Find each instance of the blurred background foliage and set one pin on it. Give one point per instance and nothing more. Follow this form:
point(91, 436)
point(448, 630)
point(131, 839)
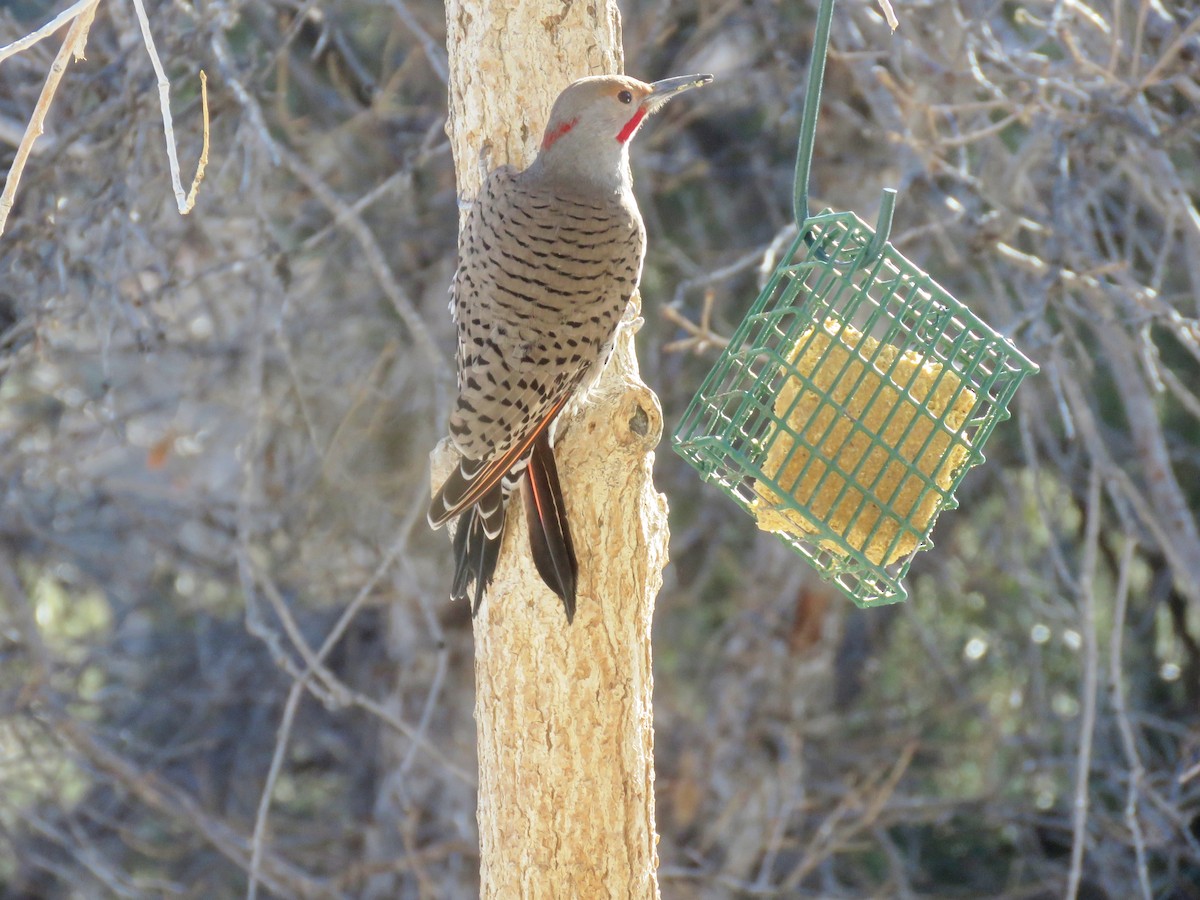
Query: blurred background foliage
point(215, 431)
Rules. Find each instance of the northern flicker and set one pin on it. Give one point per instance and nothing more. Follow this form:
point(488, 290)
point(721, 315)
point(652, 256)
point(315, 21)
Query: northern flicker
point(548, 260)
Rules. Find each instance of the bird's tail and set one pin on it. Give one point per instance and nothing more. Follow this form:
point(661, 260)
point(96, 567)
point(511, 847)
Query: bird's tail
point(477, 540)
point(477, 546)
point(546, 518)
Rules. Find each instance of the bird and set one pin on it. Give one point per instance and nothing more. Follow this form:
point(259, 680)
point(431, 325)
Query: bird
point(549, 258)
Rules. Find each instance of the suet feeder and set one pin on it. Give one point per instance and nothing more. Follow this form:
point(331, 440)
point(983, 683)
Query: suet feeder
point(854, 395)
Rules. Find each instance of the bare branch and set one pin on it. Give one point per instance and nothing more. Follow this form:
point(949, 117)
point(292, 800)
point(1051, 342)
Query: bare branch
point(1090, 683)
point(342, 212)
point(73, 45)
point(67, 15)
point(184, 201)
point(433, 52)
point(1116, 678)
point(165, 798)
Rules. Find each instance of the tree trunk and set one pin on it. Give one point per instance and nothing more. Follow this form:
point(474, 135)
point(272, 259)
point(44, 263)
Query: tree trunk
point(564, 714)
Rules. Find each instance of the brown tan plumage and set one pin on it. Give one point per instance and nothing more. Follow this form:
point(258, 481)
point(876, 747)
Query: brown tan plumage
point(548, 260)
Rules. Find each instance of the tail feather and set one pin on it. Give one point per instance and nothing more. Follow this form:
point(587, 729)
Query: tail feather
point(477, 547)
point(480, 508)
point(447, 501)
point(549, 532)
point(474, 479)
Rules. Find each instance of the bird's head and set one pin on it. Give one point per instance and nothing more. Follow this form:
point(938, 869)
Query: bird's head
point(595, 118)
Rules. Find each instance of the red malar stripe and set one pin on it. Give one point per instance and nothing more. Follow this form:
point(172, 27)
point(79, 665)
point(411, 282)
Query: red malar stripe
point(552, 136)
point(631, 126)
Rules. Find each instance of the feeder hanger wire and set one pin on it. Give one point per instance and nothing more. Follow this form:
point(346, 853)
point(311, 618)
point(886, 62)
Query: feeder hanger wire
point(808, 131)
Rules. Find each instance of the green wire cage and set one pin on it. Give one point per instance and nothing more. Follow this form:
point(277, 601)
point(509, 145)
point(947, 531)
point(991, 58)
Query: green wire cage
point(853, 397)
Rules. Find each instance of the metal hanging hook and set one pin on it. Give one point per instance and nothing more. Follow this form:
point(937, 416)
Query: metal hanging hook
point(808, 133)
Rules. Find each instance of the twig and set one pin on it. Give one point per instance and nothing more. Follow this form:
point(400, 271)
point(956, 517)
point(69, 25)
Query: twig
point(46, 30)
point(700, 336)
point(1121, 486)
point(315, 668)
point(341, 211)
point(250, 450)
point(897, 864)
point(203, 161)
point(1153, 450)
point(431, 48)
point(329, 689)
point(165, 798)
point(358, 872)
point(185, 202)
point(365, 388)
point(73, 45)
point(889, 14)
point(962, 140)
point(258, 836)
point(359, 206)
point(78, 844)
point(11, 132)
point(1091, 668)
point(316, 677)
point(439, 677)
point(773, 844)
point(1187, 399)
point(297, 691)
point(1168, 55)
point(761, 257)
point(870, 798)
point(21, 609)
point(1116, 675)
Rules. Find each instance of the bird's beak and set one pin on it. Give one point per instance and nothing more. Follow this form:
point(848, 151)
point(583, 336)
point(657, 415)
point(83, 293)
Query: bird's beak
point(667, 88)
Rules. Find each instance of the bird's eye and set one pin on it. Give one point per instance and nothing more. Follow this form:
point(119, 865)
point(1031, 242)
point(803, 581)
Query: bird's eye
point(625, 97)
